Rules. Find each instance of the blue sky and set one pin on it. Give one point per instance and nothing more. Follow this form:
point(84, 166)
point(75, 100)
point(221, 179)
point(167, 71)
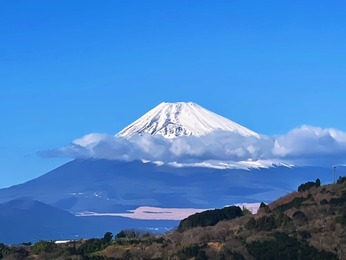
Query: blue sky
point(69, 68)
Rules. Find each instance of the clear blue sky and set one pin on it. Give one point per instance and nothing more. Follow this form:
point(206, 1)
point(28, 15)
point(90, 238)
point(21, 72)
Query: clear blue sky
point(69, 68)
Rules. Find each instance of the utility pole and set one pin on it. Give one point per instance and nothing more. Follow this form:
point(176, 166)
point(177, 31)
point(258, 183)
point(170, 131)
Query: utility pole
point(334, 170)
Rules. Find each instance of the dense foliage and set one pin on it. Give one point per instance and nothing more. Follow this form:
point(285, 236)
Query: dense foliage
point(340, 200)
point(43, 246)
point(95, 244)
point(210, 217)
point(308, 185)
point(286, 247)
point(4, 250)
point(131, 233)
point(192, 251)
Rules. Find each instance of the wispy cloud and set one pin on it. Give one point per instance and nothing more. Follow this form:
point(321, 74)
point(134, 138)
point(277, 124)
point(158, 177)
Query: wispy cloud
point(306, 145)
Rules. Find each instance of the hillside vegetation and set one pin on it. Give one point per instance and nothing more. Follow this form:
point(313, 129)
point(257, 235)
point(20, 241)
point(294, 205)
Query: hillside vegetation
point(307, 224)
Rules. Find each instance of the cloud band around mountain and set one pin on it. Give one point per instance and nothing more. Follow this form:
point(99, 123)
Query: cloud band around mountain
point(305, 145)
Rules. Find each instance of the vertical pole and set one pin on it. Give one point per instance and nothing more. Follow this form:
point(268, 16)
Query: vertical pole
point(334, 170)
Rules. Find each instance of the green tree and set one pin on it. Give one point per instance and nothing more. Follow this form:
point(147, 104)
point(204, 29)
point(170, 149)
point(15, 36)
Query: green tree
point(43, 246)
point(4, 250)
point(108, 236)
point(246, 212)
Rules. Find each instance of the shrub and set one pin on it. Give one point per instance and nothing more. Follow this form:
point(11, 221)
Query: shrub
point(295, 203)
point(43, 246)
point(18, 253)
point(246, 212)
point(4, 250)
point(341, 180)
point(91, 245)
point(303, 234)
point(306, 186)
point(265, 223)
point(190, 251)
point(341, 219)
point(107, 238)
point(251, 224)
point(229, 254)
point(300, 217)
point(264, 208)
point(282, 220)
point(323, 202)
point(339, 201)
point(130, 233)
point(193, 251)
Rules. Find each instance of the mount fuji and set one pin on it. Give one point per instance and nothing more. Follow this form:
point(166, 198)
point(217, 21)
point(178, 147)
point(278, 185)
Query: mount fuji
point(180, 134)
point(117, 194)
point(172, 120)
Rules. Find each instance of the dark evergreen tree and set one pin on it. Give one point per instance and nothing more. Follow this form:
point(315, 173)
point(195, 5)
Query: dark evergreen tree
point(318, 182)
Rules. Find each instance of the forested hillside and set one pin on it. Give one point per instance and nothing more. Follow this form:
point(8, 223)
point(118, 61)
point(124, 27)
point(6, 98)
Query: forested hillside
point(307, 224)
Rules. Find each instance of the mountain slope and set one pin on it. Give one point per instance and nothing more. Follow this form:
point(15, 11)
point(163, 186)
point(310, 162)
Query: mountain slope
point(114, 186)
point(172, 120)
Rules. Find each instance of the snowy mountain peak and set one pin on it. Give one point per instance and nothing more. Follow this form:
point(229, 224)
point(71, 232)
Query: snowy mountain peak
point(172, 120)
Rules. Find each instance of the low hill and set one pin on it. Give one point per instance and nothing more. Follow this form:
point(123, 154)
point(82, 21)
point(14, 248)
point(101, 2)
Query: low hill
point(25, 219)
point(309, 224)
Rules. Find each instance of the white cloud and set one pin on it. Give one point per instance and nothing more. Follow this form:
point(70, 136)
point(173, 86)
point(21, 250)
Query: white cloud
point(312, 145)
point(90, 139)
point(303, 146)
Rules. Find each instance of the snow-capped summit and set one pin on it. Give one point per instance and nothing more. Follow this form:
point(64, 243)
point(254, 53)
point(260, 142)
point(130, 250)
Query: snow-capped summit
point(172, 120)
